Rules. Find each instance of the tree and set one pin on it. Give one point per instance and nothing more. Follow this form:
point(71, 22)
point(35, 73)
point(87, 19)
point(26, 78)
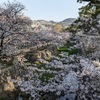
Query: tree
point(13, 23)
point(90, 1)
point(58, 27)
point(89, 17)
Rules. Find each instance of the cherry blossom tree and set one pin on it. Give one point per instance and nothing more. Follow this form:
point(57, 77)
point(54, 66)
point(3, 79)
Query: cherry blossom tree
point(13, 23)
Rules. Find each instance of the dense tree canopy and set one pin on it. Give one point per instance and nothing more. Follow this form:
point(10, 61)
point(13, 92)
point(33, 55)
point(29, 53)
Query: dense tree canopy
point(12, 22)
point(89, 18)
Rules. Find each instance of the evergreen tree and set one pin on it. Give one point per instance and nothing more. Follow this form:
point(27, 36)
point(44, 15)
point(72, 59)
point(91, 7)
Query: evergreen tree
point(89, 18)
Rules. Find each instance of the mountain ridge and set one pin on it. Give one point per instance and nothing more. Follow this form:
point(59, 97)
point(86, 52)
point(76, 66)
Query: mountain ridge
point(68, 20)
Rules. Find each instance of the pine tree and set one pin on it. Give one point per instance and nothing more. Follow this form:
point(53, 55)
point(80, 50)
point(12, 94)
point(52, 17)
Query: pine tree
point(89, 18)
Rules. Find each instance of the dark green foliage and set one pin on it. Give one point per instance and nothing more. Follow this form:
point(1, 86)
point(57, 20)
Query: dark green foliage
point(2, 98)
point(88, 18)
point(6, 63)
point(73, 51)
point(45, 77)
point(48, 96)
point(43, 48)
point(66, 48)
point(48, 59)
point(25, 96)
point(70, 62)
point(90, 51)
point(90, 1)
point(41, 65)
point(30, 57)
point(70, 52)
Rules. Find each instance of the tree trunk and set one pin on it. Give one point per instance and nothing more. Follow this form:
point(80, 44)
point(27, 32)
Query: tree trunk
point(1, 43)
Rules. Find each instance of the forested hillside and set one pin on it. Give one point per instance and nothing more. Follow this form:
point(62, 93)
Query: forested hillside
point(47, 60)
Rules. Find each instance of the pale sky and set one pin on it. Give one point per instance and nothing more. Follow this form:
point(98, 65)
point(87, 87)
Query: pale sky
point(56, 10)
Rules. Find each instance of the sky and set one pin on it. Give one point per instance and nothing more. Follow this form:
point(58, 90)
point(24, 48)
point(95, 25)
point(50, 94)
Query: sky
point(56, 10)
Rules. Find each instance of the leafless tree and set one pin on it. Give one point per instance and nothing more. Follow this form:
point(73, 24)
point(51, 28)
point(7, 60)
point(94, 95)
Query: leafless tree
point(13, 22)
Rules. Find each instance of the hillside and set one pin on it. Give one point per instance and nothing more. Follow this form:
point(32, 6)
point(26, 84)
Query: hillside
point(68, 21)
point(51, 64)
point(41, 25)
